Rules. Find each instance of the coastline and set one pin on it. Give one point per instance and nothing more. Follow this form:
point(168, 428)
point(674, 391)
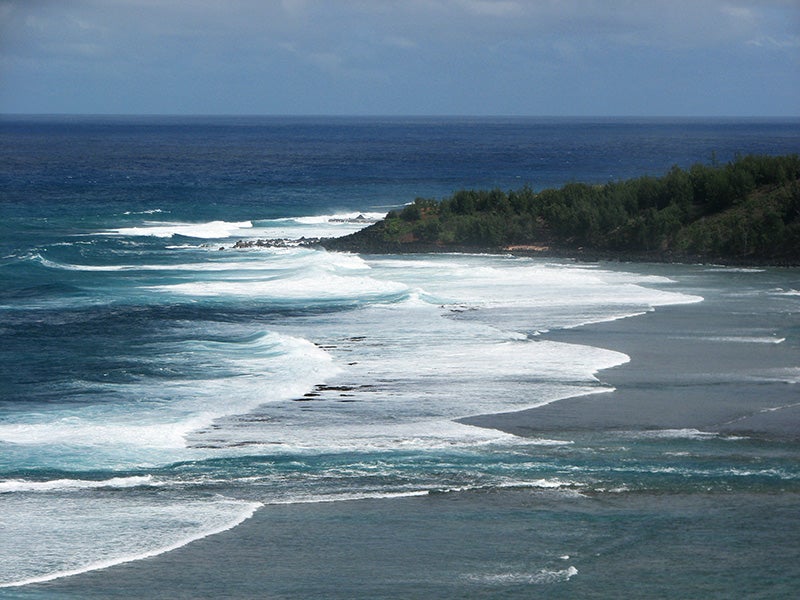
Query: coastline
point(744, 212)
point(544, 250)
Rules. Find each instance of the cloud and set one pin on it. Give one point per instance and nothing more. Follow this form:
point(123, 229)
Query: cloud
point(738, 12)
point(294, 8)
point(327, 61)
point(662, 22)
point(788, 42)
point(447, 47)
point(492, 8)
point(398, 41)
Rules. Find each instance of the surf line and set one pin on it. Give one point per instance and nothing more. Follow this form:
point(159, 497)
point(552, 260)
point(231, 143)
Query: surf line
point(250, 509)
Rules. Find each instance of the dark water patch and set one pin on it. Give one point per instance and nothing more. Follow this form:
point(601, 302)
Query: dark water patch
point(482, 545)
point(44, 290)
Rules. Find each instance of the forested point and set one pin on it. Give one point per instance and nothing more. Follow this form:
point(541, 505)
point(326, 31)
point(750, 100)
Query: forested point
point(747, 210)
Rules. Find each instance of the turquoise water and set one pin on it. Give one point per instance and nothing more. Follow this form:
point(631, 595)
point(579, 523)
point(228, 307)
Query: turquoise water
point(159, 386)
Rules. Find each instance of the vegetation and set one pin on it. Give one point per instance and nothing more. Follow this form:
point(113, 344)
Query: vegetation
point(748, 209)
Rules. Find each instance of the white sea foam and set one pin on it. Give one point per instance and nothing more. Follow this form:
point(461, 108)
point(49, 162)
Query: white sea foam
point(329, 226)
point(606, 319)
point(777, 408)
point(271, 261)
point(356, 218)
point(423, 369)
point(91, 430)
point(789, 375)
point(279, 275)
point(323, 288)
point(152, 211)
point(25, 485)
point(210, 230)
point(316, 498)
point(564, 295)
point(537, 484)
point(545, 484)
point(688, 433)
point(544, 576)
point(300, 275)
point(327, 432)
point(735, 270)
point(296, 228)
point(742, 339)
point(216, 266)
point(54, 544)
point(534, 441)
point(270, 368)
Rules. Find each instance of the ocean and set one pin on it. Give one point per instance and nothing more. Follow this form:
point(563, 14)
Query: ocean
point(184, 418)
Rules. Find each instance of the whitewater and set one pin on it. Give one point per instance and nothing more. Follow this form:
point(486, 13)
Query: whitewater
point(166, 381)
point(349, 355)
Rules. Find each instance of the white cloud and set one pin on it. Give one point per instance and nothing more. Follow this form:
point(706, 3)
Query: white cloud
point(294, 7)
point(399, 41)
point(327, 61)
point(771, 42)
point(491, 8)
point(738, 12)
point(417, 42)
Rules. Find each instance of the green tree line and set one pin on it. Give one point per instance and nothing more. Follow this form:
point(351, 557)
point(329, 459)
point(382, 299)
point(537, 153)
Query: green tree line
point(749, 207)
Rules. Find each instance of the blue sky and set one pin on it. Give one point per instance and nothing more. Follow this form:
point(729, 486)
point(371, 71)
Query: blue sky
point(393, 57)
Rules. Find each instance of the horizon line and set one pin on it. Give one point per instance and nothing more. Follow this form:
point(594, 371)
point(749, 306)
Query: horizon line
point(390, 116)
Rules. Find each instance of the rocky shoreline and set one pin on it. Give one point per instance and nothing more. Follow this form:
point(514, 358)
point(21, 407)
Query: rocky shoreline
point(365, 245)
point(362, 246)
point(276, 243)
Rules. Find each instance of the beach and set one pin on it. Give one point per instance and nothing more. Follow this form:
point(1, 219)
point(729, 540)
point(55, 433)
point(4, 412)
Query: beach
point(714, 372)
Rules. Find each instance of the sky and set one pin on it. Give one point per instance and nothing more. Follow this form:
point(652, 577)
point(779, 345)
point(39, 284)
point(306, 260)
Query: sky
point(401, 57)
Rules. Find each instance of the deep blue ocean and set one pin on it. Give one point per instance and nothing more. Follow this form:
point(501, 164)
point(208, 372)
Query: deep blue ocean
point(159, 386)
